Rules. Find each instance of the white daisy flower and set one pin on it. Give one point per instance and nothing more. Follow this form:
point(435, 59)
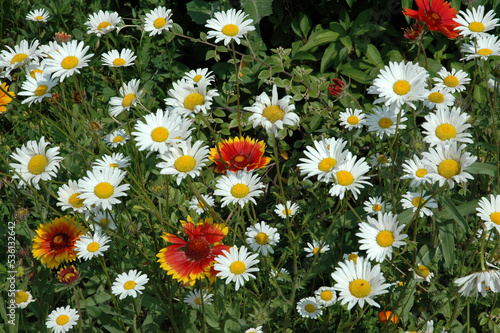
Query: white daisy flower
point(316, 248)
point(160, 131)
point(422, 273)
point(228, 26)
point(309, 307)
point(68, 197)
point(129, 95)
point(117, 138)
point(257, 329)
point(189, 99)
point(353, 256)
point(453, 81)
point(158, 20)
point(446, 125)
point(195, 297)
point(261, 238)
point(38, 15)
point(23, 298)
point(198, 205)
point(278, 275)
point(400, 83)
point(200, 74)
point(102, 187)
point(124, 58)
point(61, 319)
point(34, 67)
point(351, 119)
point(35, 163)
point(380, 161)
point(236, 265)
point(105, 220)
point(290, 209)
point(184, 160)
point(483, 47)
point(479, 283)
point(418, 171)
point(325, 296)
point(384, 120)
point(475, 23)
point(448, 163)
point(18, 56)
point(323, 159)
point(116, 160)
point(375, 205)
point(37, 88)
point(90, 246)
point(379, 236)
point(101, 23)
point(239, 188)
point(439, 99)
point(350, 176)
point(415, 200)
point(129, 284)
point(272, 113)
point(489, 211)
point(46, 49)
point(67, 59)
point(359, 282)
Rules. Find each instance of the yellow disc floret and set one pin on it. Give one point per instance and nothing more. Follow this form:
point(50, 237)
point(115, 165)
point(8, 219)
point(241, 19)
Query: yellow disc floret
point(185, 163)
point(193, 100)
point(273, 113)
point(385, 238)
point(401, 87)
point(37, 164)
point(237, 267)
point(327, 164)
point(240, 191)
point(159, 23)
point(230, 30)
point(360, 288)
point(104, 190)
point(344, 178)
point(262, 238)
point(69, 62)
point(449, 168)
point(159, 134)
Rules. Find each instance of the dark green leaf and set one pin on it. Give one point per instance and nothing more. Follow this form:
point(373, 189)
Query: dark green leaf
point(257, 9)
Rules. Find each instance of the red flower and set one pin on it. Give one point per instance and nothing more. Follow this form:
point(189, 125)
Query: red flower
point(438, 16)
point(68, 275)
point(414, 32)
point(337, 87)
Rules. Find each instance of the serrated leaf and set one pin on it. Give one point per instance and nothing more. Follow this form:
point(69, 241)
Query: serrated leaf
point(257, 9)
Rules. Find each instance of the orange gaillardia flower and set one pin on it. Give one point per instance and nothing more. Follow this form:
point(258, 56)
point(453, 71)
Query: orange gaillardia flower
point(438, 16)
point(68, 275)
point(193, 259)
point(385, 316)
point(55, 241)
point(5, 99)
point(239, 153)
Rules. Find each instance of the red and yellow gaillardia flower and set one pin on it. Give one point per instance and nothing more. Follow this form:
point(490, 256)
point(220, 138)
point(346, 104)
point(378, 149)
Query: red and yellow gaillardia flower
point(55, 241)
point(68, 275)
point(193, 259)
point(437, 16)
point(5, 99)
point(239, 153)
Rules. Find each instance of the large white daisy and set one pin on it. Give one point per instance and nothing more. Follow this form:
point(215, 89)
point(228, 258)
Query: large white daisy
point(188, 99)
point(102, 187)
point(261, 238)
point(129, 284)
point(38, 15)
point(325, 296)
point(62, 319)
point(18, 56)
point(124, 58)
point(101, 23)
point(352, 119)
point(453, 81)
point(200, 74)
point(384, 120)
point(37, 88)
point(129, 95)
point(228, 26)
point(445, 126)
point(236, 265)
point(415, 200)
point(239, 188)
point(483, 47)
point(67, 59)
point(23, 298)
point(439, 99)
point(418, 171)
point(68, 197)
point(158, 20)
point(479, 283)
point(90, 246)
point(489, 211)
point(350, 177)
point(475, 23)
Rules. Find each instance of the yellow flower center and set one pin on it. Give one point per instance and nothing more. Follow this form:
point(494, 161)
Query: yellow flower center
point(360, 288)
point(353, 257)
point(200, 205)
point(38, 18)
point(41, 90)
point(273, 113)
point(451, 81)
point(310, 308)
point(104, 190)
point(240, 191)
point(119, 62)
point(75, 201)
point(445, 132)
point(34, 72)
point(197, 300)
point(417, 201)
point(327, 164)
point(385, 238)
point(128, 100)
point(238, 267)
point(129, 285)
point(401, 87)
point(113, 165)
point(197, 78)
point(230, 30)
point(353, 120)
point(104, 222)
point(316, 250)
point(287, 212)
point(436, 97)
point(18, 58)
point(377, 208)
point(485, 52)
point(118, 138)
point(262, 238)
point(344, 178)
point(21, 296)
point(185, 163)
point(326, 295)
point(476, 27)
point(103, 25)
point(159, 134)
point(62, 320)
point(92, 247)
point(495, 217)
point(421, 172)
point(423, 270)
point(449, 168)
point(385, 122)
point(382, 159)
point(58, 239)
point(159, 22)
point(192, 100)
point(69, 62)
point(37, 164)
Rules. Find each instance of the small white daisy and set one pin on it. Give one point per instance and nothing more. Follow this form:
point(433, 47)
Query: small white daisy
point(67, 59)
point(261, 238)
point(290, 209)
point(384, 120)
point(272, 113)
point(195, 297)
point(68, 197)
point(117, 138)
point(116, 160)
point(489, 211)
point(479, 283)
point(475, 23)
point(418, 171)
point(439, 99)
point(236, 265)
point(325, 296)
point(350, 177)
point(228, 26)
point(359, 282)
point(61, 319)
point(200, 74)
point(101, 23)
point(34, 67)
point(18, 56)
point(102, 187)
point(197, 205)
point(257, 329)
point(379, 236)
point(375, 205)
point(23, 298)
point(422, 273)
point(351, 119)
point(36, 163)
point(129, 95)
point(129, 284)
point(105, 220)
point(415, 200)
point(380, 161)
point(309, 307)
point(446, 125)
point(453, 81)
point(37, 88)
point(316, 248)
point(239, 188)
point(124, 58)
point(188, 99)
point(158, 20)
point(278, 275)
point(353, 256)
point(38, 15)
point(484, 47)
point(45, 49)
point(90, 246)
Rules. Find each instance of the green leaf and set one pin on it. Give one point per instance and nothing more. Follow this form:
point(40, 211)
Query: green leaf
point(328, 57)
point(355, 74)
point(479, 94)
point(200, 11)
point(374, 56)
point(479, 168)
point(447, 242)
point(324, 37)
point(257, 9)
point(457, 216)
